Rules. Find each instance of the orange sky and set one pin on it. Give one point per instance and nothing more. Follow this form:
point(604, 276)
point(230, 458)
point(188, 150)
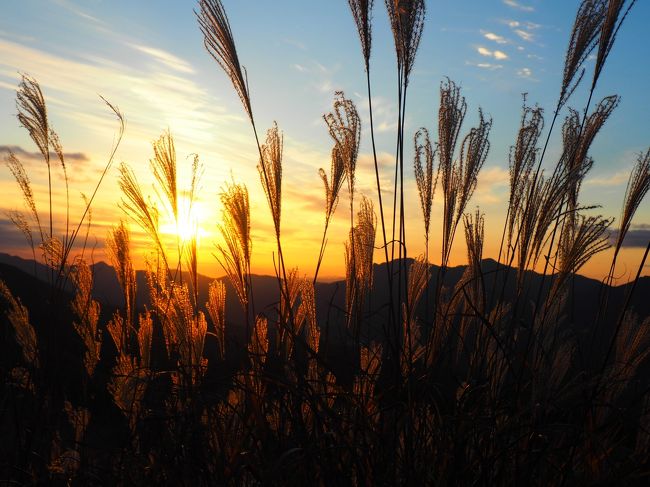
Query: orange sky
point(160, 84)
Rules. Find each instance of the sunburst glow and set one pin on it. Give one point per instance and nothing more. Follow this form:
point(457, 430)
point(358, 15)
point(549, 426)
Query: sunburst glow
point(191, 216)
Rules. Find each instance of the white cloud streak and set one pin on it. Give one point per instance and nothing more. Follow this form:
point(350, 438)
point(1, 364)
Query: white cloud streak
point(525, 73)
point(165, 58)
point(491, 36)
point(518, 6)
point(496, 54)
point(524, 35)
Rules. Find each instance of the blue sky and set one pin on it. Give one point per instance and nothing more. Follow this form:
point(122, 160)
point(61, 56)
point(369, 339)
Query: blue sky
point(147, 58)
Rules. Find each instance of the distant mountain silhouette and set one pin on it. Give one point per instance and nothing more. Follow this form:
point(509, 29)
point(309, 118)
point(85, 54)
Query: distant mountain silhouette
point(331, 295)
point(52, 318)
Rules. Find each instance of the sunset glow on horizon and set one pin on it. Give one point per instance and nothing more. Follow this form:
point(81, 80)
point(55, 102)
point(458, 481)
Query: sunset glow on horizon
point(153, 66)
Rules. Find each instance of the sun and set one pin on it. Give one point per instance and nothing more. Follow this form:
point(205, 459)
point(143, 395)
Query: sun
point(191, 216)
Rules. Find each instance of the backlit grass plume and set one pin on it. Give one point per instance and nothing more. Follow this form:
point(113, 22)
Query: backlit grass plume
point(258, 346)
point(32, 114)
point(424, 177)
point(308, 311)
point(418, 280)
point(235, 256)
point(617, 11)
point(450, 118)
point(586, 239)
point(86, 311)
point(163, 166)
point(219, 42)
point(473, 152)
point(119, 252)
point(17, 169)
point(584, 39)
point(333, 186)
point(145, 337)
point(577, 138)
point(637, 187)
point(334, 182)
point(407, 21)
point(344, 127)
point(18, 317)
point(460, 179)
point(475, 239)
point(270, 169)
point(137, 207)
point(362, 14)
point(522, 158)
point(216, 307)
point(359, 251)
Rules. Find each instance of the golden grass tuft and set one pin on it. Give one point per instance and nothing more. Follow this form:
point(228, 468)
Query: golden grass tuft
point(18, 317)
point(344, 127)
point(119, 253)
point(216, 307)
point(163, 167)
point(86, 310)
point(334, 182)
point(359, 251)
point(235, 257)
point(270, 169)
point(32, 114)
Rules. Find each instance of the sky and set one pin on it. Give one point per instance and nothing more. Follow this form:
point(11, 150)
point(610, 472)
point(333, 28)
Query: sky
point(148, 59)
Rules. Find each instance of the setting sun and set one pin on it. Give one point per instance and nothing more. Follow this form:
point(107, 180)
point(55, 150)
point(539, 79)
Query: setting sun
point(192, 218)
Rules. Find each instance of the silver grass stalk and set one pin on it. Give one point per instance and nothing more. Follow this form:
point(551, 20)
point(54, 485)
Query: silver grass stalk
point(617, 11)
point(407, 22)
point(216, 307)
point(220, 44)
point(270, 169)
point(424, 177)
point(584, 39)
point(362, 14)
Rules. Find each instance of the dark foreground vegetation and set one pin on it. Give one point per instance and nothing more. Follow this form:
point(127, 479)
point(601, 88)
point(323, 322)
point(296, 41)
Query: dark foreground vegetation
point(404, 374)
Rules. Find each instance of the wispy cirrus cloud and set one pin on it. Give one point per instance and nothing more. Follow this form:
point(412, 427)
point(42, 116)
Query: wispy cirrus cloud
point(322, 77)
point(151, 95)
point(492, 184)
point(295, 43)
point(518, 6)
point(70, 7)
point(524, 30)
point(524, 35)
point(488, 66)
point(617, 179)
point(165, 58)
